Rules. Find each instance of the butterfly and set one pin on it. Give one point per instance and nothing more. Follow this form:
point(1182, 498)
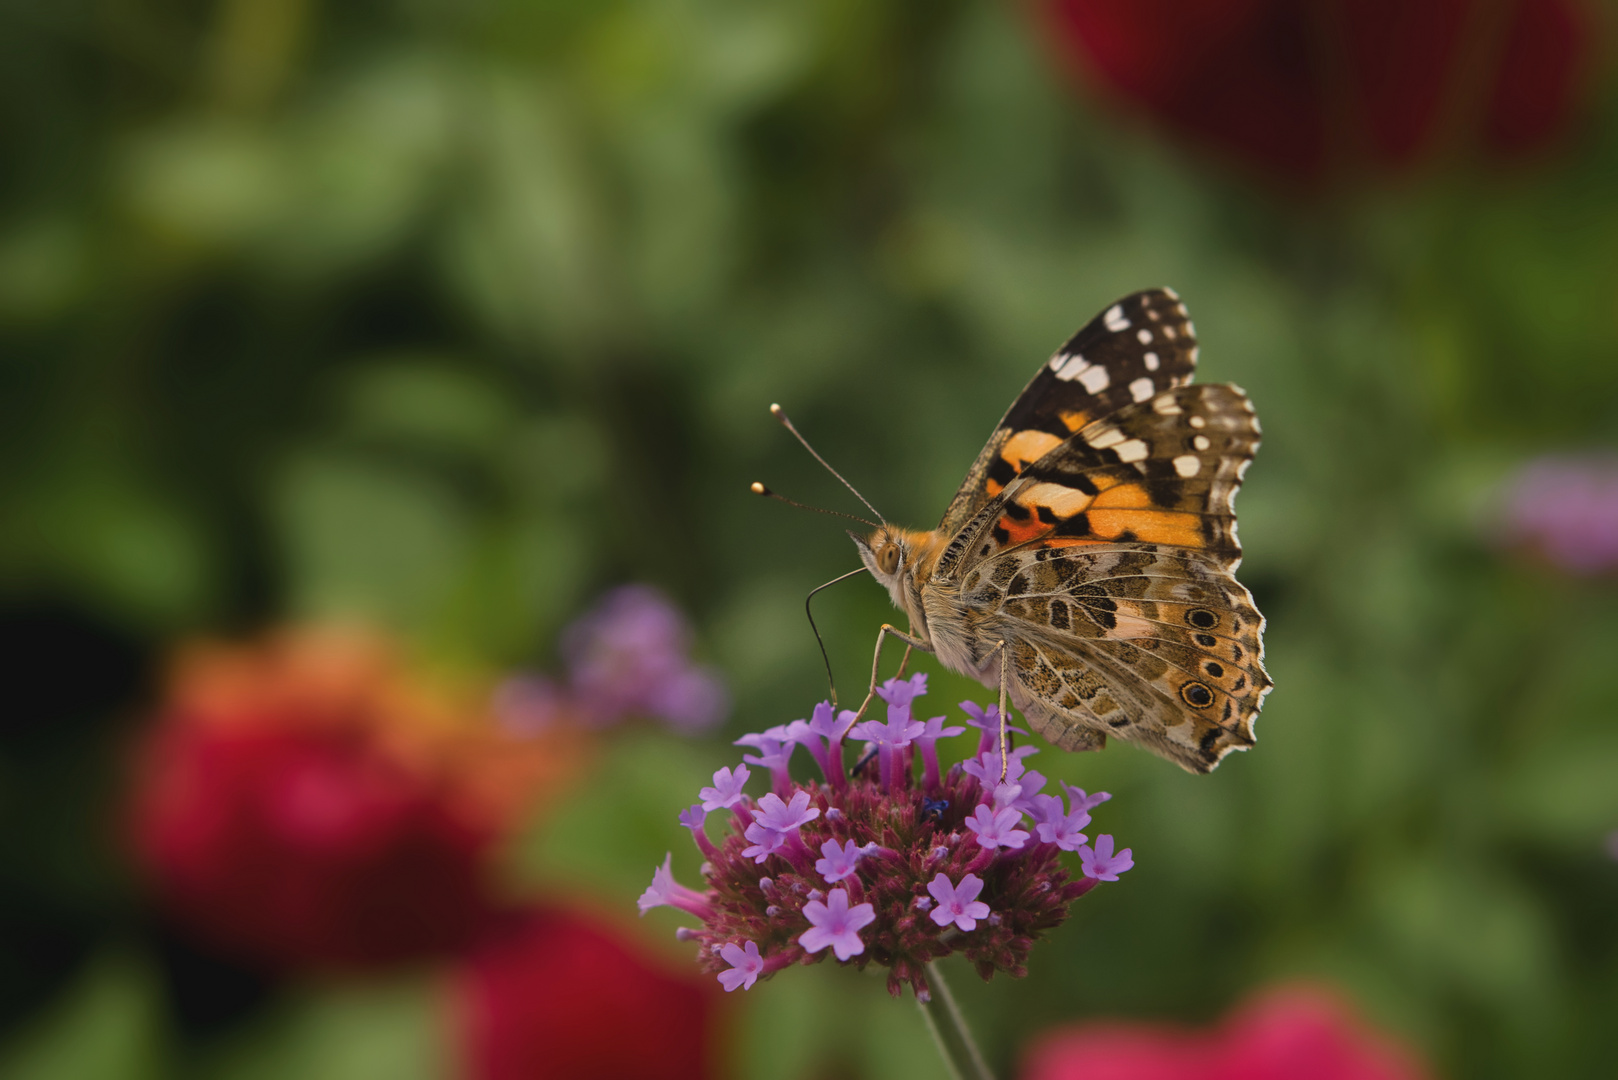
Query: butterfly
point(1087, 563)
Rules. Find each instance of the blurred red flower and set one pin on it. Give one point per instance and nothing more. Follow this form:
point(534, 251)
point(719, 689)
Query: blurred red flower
point(555, 994)
point(306, 802)
point(1310, 91)
point(1287, 1034)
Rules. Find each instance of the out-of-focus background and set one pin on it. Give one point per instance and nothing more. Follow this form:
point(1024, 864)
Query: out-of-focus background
point(445, 319)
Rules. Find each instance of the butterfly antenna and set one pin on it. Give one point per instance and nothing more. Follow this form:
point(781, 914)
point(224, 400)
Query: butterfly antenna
point(808, 610)
point(781, 415)
point(759, 489)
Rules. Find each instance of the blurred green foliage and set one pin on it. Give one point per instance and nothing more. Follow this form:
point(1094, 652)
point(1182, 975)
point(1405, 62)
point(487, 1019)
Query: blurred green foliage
point(449, 315)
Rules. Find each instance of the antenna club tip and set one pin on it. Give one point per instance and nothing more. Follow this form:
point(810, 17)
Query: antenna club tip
point(776, 411)
point(758, 489)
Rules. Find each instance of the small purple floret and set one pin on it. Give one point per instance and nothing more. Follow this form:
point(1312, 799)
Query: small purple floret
point(899, 693)
point(987, 721)
point(786, 816)
point(836, 924)
point(958, 904)
point(1101, 863)
point(1078, 800)
point(665, 891)
point(839, 862)
point(986, 766)
point(766, 842)
point(727, 789)
point(997, 828)
point(746, 965)
point(774, 754)
point(1063, 830)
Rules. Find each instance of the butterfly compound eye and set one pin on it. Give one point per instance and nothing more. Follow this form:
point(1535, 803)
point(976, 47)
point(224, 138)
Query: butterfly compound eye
point(887, 560)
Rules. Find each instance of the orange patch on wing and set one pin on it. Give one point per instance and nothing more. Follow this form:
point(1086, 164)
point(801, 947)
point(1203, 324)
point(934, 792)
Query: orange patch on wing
point(1073, 419)
point(1020, 532)
point(1149, 526)
point(1103, 481)
point(1069, 541)
point(1122, 496)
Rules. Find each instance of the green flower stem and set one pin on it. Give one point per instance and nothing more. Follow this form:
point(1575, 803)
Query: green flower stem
point(944, 1020)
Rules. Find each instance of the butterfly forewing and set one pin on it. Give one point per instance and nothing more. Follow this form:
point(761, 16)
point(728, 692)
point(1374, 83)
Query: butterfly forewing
point(1141, 345)
point(1163, 471)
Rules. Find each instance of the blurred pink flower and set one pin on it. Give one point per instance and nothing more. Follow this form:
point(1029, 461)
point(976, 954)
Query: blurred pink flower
point(1286, 1034)
point(305, 802)
point(552, 993)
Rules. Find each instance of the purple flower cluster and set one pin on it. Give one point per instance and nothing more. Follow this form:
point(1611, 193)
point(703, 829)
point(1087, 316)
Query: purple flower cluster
point(1566, 509)
point(628, 656)
point(879, 863)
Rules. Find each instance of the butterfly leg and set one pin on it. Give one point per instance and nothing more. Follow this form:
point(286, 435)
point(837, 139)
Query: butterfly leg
point(1000, 647)
point(876, 662)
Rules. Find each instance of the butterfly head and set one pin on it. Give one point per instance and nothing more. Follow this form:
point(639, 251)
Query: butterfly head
point(894, 556)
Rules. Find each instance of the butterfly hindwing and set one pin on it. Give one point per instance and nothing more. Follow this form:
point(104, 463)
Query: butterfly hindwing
point(1141, 345)
point(1156, 646)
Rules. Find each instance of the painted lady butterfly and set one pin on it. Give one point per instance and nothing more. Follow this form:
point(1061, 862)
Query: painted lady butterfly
point(1087, 563)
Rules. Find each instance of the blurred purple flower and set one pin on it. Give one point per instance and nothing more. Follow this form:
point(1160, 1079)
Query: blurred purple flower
point(628, 656)
point(1566, 509)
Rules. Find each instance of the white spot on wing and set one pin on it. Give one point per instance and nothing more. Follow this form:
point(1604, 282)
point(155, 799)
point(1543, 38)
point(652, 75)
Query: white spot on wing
point(1057, 361)
point(1201, 442)
point(1168, 332)
point(1166, 405)
point(1151, 361)
point(1063, 501)
point(1095, 379)
point(1170, 293)
point(1144, 336)
point(1141, 388)
point(1106, 437)
point(1197, 421)
point(1132, 450)
point(1114, 318)
point(1188, 465)
point(1071, 367)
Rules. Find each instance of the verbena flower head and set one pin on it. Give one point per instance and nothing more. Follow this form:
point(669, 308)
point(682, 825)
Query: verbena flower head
point(897, 863)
